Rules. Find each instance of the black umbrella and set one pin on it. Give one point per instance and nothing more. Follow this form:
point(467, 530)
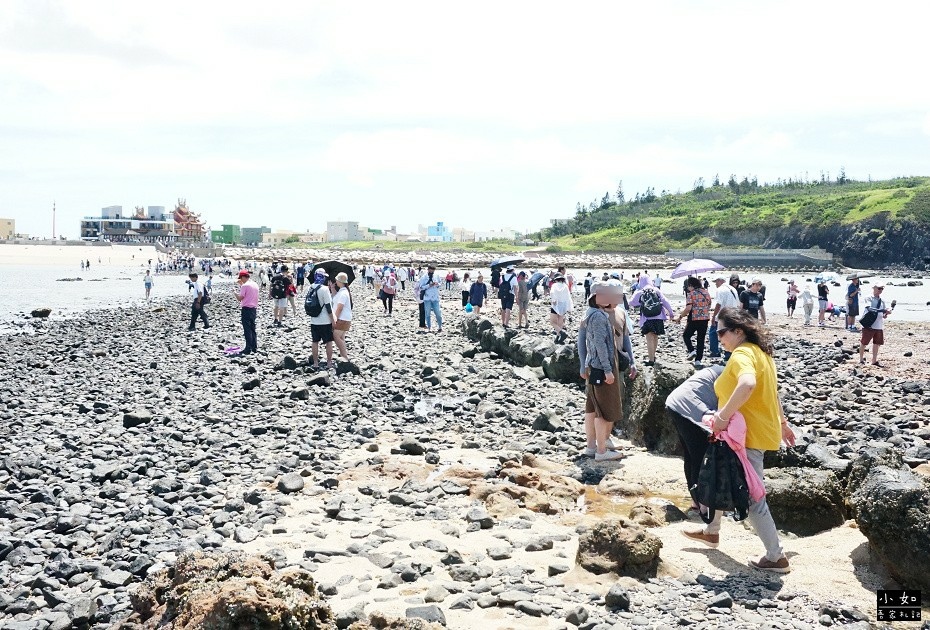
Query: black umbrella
point(859, 275)
point(506, 261)
point(333, 267)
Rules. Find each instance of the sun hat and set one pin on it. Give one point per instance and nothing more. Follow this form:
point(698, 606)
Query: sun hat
point(607, 292)
point(720, 279)
point(341, 277)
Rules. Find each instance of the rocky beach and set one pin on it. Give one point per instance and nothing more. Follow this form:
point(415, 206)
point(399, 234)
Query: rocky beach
point(435, 479)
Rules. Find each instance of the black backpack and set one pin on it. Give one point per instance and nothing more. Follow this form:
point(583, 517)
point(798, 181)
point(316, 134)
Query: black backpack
point(312, 304)
point(650, 304)
point(279, 287)
point(205, 296)
point(504, 290)
point(722, 483)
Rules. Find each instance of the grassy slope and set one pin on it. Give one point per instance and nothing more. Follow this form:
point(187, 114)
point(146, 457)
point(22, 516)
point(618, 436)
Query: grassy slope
point(685, 220)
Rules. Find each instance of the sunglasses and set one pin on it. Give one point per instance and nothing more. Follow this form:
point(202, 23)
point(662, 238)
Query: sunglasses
point(722, 331)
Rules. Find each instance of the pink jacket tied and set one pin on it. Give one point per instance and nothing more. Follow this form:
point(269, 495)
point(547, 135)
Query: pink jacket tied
point(735, 437)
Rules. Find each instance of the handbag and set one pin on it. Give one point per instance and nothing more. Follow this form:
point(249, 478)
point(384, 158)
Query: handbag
point(596, 376)
point(868, 319)
point(721, 482)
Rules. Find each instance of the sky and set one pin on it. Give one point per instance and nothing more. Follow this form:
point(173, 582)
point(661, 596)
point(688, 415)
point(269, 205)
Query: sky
point(484, 115)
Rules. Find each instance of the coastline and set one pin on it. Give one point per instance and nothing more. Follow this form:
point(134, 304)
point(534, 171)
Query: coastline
point(208, 437)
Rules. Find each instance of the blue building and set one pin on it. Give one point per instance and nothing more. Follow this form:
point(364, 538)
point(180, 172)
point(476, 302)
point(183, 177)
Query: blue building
point(439, 233)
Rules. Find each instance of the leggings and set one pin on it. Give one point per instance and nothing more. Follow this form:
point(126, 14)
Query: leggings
point(698, 326)
point(388, 300)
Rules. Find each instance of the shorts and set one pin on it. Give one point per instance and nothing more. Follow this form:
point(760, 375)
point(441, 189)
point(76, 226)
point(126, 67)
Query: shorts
point(852, 308)
point(300, 282)
point(280, 302)
point(321, 332)
point(478, 303)
point(507, 303)
point(871, 335)
point(823, 305)
point(342, 324)
point(655, 326)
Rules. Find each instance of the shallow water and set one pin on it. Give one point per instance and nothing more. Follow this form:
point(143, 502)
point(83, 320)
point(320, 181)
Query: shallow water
point(25, 287)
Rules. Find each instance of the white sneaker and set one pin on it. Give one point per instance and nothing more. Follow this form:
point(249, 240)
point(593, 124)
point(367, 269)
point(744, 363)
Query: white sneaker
point(613, 443)
point(590, 451)
point(698, 365)
point(607, 456)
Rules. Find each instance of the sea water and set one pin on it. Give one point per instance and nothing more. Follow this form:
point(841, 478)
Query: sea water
point(24, 288)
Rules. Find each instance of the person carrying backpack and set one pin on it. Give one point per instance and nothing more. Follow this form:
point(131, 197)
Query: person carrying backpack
point(319, 306)
point(654, 309)
point(506, 292)
point(278, 293)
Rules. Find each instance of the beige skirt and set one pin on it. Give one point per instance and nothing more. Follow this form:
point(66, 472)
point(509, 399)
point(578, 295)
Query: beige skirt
point(342, 324)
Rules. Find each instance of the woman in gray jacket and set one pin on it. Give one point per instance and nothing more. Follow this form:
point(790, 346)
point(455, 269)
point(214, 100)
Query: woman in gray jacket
point(597, 351)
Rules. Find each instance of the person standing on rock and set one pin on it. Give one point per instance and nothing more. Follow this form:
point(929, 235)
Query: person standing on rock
point(278, 294)
point(561, 305)
point(342, 314)
point(477, 294)
point(753, 299)
point(725, 298)
point(807, 303)
point(506, 291)
point(654, 309)
point(697, 310)
point(749, 385)
point(148, 283)
point(247, 295)
point(321, 325)
point(523, 301)
point(852, 305)
point(823, 293)
point(875, 334)
point(197, 306)
point(597, 355)
point(429, 290)
point(793, 292)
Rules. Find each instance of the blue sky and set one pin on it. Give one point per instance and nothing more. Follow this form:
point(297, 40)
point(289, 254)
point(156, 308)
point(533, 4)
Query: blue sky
point(483, 115)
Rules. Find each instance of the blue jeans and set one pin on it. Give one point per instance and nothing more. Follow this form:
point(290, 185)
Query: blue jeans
point(432, 306)
point(713, 340)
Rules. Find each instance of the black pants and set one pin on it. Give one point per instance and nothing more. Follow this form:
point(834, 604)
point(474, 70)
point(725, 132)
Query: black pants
point(535, 292)
point(698, 326)
point(198, 311)
point(422, 314)
point(464, 298)
point(248, 328)
point(403, 285)
point(694, 442)
point(388, 300)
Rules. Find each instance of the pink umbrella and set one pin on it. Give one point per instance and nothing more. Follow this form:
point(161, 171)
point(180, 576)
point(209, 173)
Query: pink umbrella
point(696, 266)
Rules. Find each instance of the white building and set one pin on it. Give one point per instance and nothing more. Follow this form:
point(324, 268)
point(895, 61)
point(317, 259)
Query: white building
point(346, 231)
point(505, 234)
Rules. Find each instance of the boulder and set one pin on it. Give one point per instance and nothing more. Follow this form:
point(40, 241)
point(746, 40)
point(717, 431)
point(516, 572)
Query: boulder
point(41, 312)
point(137, 417)
point(645, 423)
point(347, 367)
point(227, 590)
point(619, 546)
point(804, 501)
point(656, 513)
point(563, 366)
point(807, 454)
point(891, 505)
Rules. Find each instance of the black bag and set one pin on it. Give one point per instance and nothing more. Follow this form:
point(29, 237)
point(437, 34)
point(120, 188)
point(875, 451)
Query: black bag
point(868, 319)
point(623, 360)
point(205, 296)
point(312, 304)
point(650, 304)
point(722, 482)
point(596, 376)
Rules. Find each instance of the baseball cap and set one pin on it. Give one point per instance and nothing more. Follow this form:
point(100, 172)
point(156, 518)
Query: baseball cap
point(244, 274)
point(720, 279)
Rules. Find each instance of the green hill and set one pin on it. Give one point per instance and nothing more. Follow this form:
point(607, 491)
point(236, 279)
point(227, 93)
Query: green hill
point(833, 215)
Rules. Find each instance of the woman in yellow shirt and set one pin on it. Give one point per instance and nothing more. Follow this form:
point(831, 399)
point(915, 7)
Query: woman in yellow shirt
point(749, 384)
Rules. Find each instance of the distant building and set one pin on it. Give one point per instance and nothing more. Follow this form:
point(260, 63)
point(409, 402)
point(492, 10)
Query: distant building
point(461, 235)
point(153, 226)
point(229, 235)
point(252, 236)
point(438, 233)
point(279, 238)
point(346, 231)
point(7, 228)
point(496, 235)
